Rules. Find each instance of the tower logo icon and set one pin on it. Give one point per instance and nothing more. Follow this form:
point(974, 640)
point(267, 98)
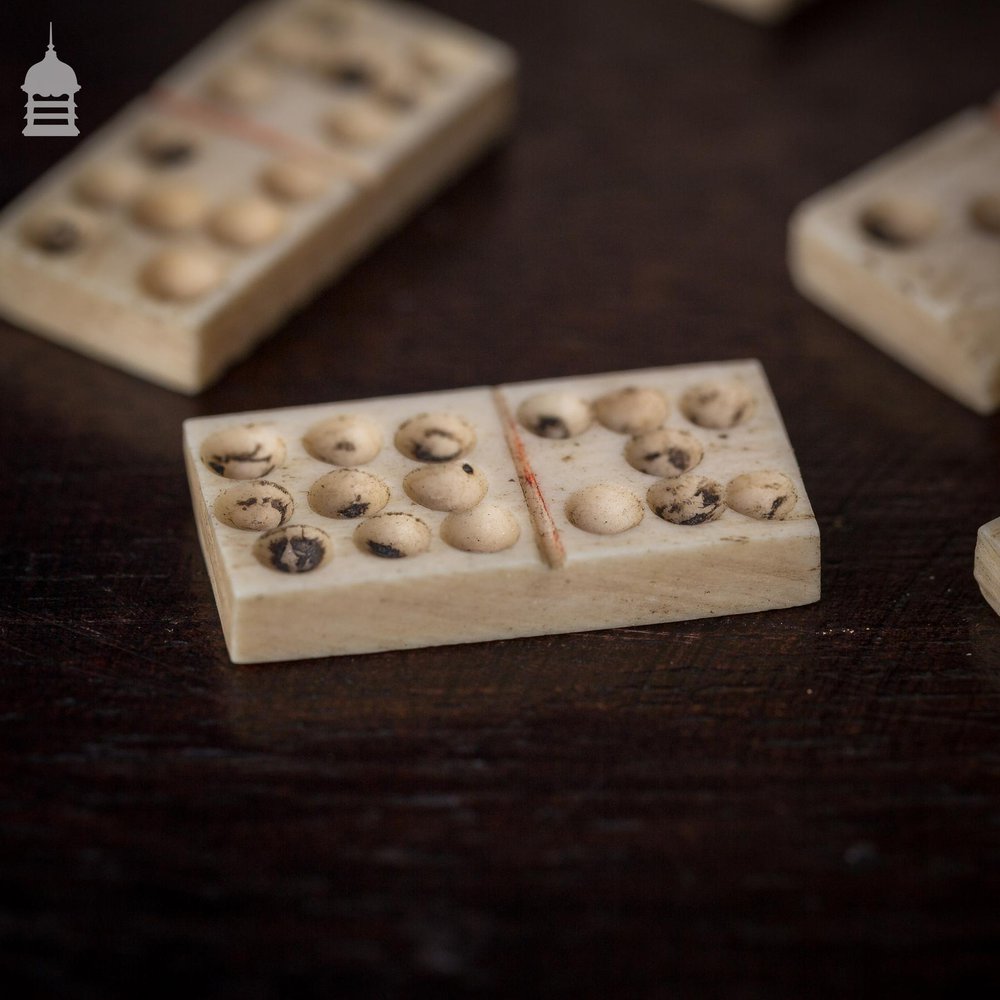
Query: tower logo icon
point(51, 87)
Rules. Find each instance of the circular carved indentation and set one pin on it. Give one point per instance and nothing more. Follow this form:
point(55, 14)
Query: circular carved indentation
point(984, 212)
point(343, 440)
point(167, 145)
point(348, 493)
point(688, 500)
point(555, 414)
point(767, 496)
point(352, 73)
point(170, 208)
point(486, 528)
point(435, 60)
point(246, 221)
point(296, 548)
point(717, 405)
point(435, 437)
point(454, 486)
point(109, 184)
point(182, 273)
point(632, 410)
point(398, 90)
point(357, 125)
point(664, 453)
point(249, 451)
point(393, 536)
point(604, 509)
point(898, 222)
point(255, 506)
point(294, 180)
point(242, 83)
point(58, 231)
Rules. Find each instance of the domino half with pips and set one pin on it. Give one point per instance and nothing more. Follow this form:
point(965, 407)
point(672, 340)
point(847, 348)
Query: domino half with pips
point(907, 251)
point(536, 508)
point(265, 163)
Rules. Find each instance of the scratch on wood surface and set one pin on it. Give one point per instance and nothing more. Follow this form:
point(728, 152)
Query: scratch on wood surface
point(93, 635)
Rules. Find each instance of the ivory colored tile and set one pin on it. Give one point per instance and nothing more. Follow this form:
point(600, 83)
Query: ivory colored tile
point(277, 153)
point(907, 251)
point(494, 513)
point(987, 569)
point(766, 11)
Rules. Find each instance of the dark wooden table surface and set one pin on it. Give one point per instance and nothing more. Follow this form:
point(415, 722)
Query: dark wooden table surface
point(798, 803)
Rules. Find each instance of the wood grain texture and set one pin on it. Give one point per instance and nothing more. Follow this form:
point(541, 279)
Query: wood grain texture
point(795, 803)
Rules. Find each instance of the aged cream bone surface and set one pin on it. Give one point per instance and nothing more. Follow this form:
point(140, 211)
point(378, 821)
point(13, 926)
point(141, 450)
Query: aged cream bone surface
point(764, 11)
point(907, 252)
point(987, 565)
point(581, 524)
point(264, 164)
